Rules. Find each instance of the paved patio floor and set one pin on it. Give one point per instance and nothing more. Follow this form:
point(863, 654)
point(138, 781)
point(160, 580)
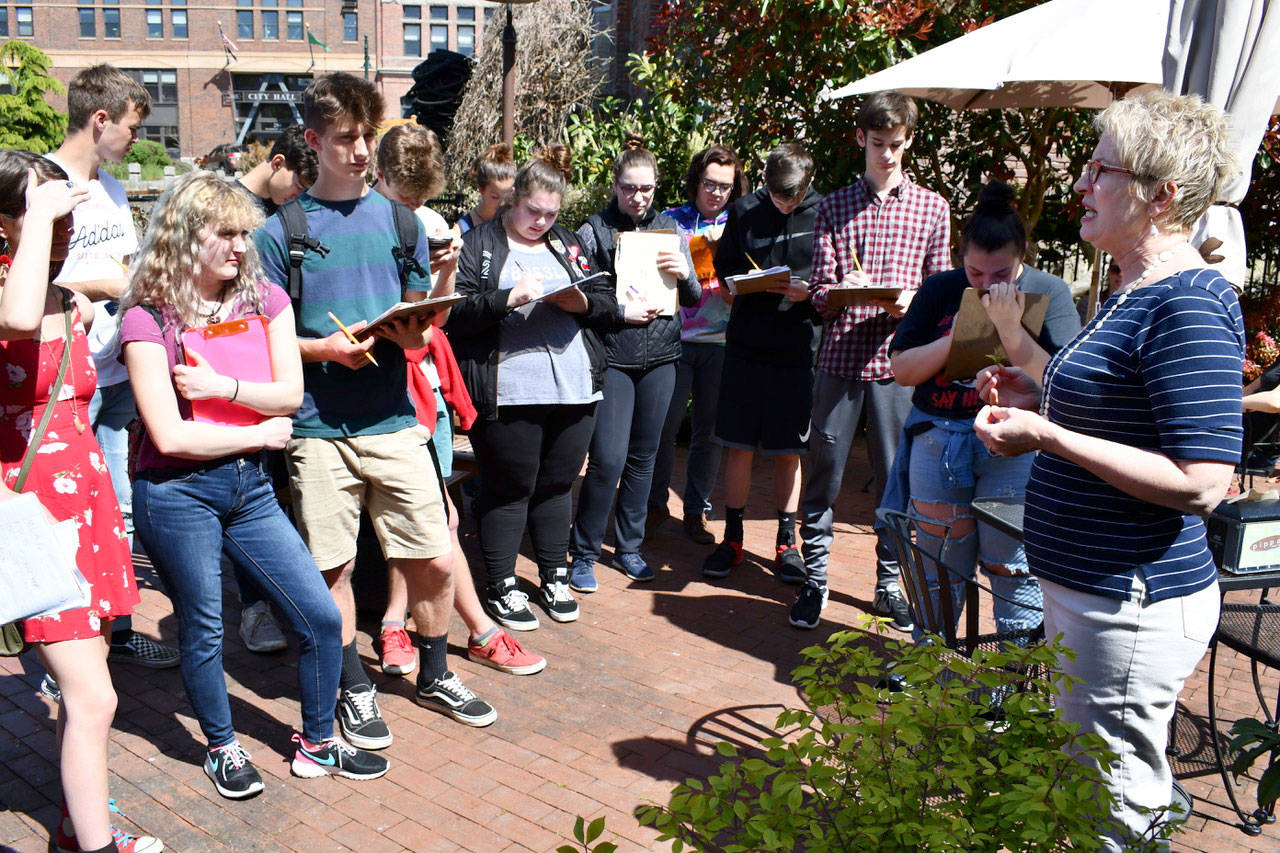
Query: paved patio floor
point(635, 695)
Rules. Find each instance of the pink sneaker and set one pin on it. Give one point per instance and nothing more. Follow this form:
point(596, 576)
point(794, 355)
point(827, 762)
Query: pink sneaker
point(502, 651)
point(66, 841)
point(396, 649)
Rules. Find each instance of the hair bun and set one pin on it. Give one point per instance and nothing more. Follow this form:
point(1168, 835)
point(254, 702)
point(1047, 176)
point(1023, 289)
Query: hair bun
point(559, 156)
point(498, 152)
point(994, 199)
point(634, 141)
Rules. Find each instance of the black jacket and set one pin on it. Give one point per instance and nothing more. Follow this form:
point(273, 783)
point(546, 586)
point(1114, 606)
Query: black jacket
point(657, 342)
point(474, 323)
point(761, 325)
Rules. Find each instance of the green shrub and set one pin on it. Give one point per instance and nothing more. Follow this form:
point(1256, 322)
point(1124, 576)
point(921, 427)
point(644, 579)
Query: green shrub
point(148, 152)
point(865, 768)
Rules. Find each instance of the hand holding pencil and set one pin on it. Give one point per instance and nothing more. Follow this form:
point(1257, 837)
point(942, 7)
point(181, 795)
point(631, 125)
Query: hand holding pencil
point(346, 350)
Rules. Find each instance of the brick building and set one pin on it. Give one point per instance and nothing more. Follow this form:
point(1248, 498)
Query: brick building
point(202, 95)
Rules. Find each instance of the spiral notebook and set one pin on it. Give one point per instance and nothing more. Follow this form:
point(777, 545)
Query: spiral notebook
point(236, 348)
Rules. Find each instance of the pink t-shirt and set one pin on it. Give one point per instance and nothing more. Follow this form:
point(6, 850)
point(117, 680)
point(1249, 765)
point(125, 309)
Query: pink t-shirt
point(139, 324)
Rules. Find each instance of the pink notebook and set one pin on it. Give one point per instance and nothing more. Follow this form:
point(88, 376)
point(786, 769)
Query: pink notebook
point(236, 348)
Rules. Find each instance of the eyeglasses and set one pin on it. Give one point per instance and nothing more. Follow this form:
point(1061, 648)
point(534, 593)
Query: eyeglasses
point(632, 189)
point(1095, 169)
point(716, 187)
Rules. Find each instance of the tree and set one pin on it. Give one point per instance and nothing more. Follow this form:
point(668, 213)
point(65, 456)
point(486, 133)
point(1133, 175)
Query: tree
point(754, 71)
point(26, 119)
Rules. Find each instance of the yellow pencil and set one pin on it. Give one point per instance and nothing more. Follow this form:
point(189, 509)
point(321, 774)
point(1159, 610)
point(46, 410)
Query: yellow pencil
point(753, 260)
point(352, 338)
point(855, 259)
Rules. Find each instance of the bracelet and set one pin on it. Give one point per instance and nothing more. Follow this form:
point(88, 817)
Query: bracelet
point(235, 393)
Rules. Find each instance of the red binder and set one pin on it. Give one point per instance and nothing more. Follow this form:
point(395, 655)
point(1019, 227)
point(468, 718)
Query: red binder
point(236, 348)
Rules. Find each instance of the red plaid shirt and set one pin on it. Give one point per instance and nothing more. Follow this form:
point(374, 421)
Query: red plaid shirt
point(900, 241)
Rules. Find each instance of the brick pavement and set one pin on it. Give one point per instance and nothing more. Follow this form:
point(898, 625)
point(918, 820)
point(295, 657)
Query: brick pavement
point(634, 697)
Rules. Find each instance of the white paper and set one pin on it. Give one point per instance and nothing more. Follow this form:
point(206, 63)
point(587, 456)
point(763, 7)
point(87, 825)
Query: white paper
point(38, 574)
point(636, 265)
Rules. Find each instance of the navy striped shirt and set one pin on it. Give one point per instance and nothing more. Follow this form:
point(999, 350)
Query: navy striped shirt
point(1158, 369)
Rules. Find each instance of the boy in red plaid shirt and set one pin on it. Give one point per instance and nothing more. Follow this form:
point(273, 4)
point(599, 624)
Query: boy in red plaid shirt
point(883, 230)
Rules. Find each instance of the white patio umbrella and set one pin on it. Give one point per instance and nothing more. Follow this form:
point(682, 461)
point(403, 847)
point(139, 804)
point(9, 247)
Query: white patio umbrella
point(1228, 52)
point(1065, 53)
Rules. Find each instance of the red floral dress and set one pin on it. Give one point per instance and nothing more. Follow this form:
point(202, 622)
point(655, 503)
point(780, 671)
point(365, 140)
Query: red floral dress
point(69, 476)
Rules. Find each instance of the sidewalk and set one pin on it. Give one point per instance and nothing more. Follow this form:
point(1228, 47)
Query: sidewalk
point(634, 697)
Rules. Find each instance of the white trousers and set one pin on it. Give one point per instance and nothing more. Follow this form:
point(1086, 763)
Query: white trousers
point(1132, 658)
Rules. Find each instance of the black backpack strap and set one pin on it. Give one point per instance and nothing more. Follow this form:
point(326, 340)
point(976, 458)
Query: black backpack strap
point(297, 241)
point(405, 253)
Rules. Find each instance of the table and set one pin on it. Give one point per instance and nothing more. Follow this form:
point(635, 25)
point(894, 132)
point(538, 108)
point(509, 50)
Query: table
point(1252, 630)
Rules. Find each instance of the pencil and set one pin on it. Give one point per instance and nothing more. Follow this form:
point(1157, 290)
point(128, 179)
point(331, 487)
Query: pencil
point(855, 259)
point(352, 338)
point(753, 260)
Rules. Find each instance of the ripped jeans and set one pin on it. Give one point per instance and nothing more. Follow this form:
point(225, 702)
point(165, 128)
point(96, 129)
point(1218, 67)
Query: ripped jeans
point(948, 468)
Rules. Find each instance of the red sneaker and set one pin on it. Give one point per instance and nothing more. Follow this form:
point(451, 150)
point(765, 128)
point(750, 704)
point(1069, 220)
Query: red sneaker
point(502, 651)
point(125, 843)
point(396, 649)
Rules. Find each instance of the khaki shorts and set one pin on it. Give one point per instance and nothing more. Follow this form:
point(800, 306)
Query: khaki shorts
point(391, 475)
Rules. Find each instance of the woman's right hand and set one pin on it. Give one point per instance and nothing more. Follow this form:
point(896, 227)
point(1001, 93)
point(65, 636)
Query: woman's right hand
point(1013, 387)
point(639, 313)
point(275, 433)
point(52, 199)
point(526, 290)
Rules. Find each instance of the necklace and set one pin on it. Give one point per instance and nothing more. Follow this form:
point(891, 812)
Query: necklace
point(212, 314)
point(1051, 370)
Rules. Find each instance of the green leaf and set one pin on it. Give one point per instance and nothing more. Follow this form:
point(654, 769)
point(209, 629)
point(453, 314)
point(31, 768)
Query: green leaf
point(594, 829)
point(578, 829)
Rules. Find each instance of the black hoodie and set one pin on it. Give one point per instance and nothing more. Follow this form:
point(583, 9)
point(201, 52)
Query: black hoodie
point(763, 326)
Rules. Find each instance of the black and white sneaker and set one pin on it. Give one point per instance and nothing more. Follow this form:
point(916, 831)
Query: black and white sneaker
point(333, 757)
point(509, 606)
point(232, 774)
point(889, 602)
point(810, 603)
point(554, 595)
point(360, 719)
point(450, 697)
point(790, 565)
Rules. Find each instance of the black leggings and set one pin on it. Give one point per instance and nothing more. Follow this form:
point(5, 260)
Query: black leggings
point(528, 458)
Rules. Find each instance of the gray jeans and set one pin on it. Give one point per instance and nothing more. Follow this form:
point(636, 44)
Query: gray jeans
point(837, 406)
point(697, 376)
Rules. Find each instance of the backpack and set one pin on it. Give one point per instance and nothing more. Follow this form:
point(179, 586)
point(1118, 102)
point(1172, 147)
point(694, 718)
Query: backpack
point(298, 242)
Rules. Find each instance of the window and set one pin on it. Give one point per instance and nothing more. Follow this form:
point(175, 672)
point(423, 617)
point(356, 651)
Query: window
point(412, 13)
point(111, 19)
point(155, 24)
point(439, 13)
point(88, 25)
point(270, 25)
point(294, 4)
point(162, 86)
point(22, 14)
point(165, 134)
point(350, 27)
point(4, 21)
point(294, 22)
point(413, 39)
point(488, 13)
point(178, 21)
point(467, 41)
point(244, 25)
point(439, 37)
point(466, 13)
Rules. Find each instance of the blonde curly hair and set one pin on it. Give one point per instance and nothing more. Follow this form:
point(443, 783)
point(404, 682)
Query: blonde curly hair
point(1166, 137)
point(168, 264)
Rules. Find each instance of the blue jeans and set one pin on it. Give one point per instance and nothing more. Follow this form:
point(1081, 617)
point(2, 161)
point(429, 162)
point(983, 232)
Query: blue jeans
point(110, 411)
point(697, 377)
point(188, 521)
point(628, 425)
point(950, 466)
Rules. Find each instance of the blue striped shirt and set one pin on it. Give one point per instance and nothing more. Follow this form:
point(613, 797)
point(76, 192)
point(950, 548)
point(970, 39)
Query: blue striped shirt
point(1158, 369)
point(357, 280)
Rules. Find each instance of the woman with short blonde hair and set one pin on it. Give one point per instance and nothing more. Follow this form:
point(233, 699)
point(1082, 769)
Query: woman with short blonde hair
point(1139, 429)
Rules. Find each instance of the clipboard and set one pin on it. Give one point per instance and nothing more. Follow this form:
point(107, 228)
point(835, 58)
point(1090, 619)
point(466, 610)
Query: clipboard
point(703, 251)
point(636, 274)
point(845, 297)
point(236, 348)
point(758, 281)
point(423, 308)
point(975, 344)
